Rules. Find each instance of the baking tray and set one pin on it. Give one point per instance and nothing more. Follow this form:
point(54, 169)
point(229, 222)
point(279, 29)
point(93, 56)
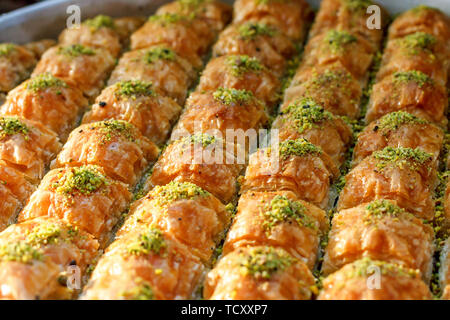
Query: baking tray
point(48, 18)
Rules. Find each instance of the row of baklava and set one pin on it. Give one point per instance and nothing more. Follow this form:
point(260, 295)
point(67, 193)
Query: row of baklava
point(381, 244)
point(172, 234)
point(273, 244)
point(70, 218)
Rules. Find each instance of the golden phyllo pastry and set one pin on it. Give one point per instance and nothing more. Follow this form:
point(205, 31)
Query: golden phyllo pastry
point(115, 145)
point(16, 64)
point(278, 219)
point(82, 196)
point(259, 273)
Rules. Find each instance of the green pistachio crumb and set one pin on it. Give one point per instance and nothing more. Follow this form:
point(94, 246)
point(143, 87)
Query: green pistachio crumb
point(11, 125)
point(76, 50)
point(241, 64)
point(202, 138)
point(298, 147)
point(143, 291)
point(20, 251)
point(395, 120)
point(174, 191)
point(152, 240)
point(134, 88)
point(306, 114)
point(116, 128)
point(6, 49)
point(420, 78)
point(159, 53)
point(100, 21)
point(46, 233)
point(167, 18)
point(252, 30)
point(400, 156)
point(233, 96)
point(282, 209)
point(264, 262)
point(337, 40)
point(84, 180)
point(366, 267)
point(418, 41)
point(44, 81)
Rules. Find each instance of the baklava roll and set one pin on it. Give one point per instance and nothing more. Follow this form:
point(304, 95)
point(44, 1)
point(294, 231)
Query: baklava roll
point(444, 272)
point(353, 51)
point(190, 38)
point(86, 67)
point(51, 101)
point(241, 72)
point(292, 17)
point(417, 51)
point(351, 16)
point(207, 161)
point(138, 103)
point(125, 26)
point(215, 13)
point(398, 129)
point(262, 41)
point(332, 86)
point(39, 47)
point(368, 279)
point(278, 219)
point(259, 273)
point(27, 146)
point(168, 72)
point(422, 19)
point(16, 64)
point(404, 175)
point(221, 110)
point(185, 212)
point(410, 91)
point(381, 231)
point(115, 145)
point(99, 32)
point(15, 189)
point(145, 264)
point(308, 120)
point(82, 196)
point(44, 258)
point(297, 166)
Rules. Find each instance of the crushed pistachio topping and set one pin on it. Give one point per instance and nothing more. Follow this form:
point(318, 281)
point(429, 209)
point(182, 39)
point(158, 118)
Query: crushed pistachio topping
point(264, 262)
point(174, 191)
point(159, 53)
point(46, 233)
point(241, 64)
point(306, 114)
point(193, 3)
point(84, 180)
point(400, 156)
point(382, 208)
point(167, 18)
point(418, 41)
point(134, 88)
point(423, 7)
point(44, 81)
point(357, 5)
point(76, 50)
point(282, 209)
point(20, 251)
point(366, 267)
point(420, 78)
point(252, 30)
point(116, 128)
point(143, 291)
point(10, 126)
point(337, 40)
point(298, 147)
point(233, 96)
point(100, 21)
point(150, 241)
point(201, 138)
point(6, 49)
point(395, 120)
